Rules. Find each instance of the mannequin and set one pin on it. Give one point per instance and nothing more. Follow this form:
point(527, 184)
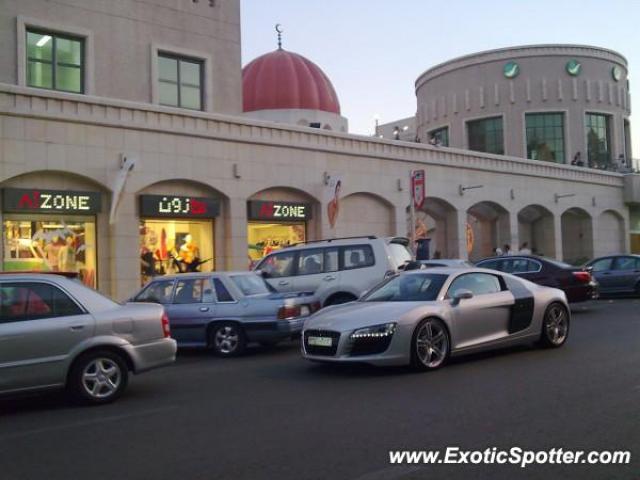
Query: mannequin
point(67, 256)
point(189, 251)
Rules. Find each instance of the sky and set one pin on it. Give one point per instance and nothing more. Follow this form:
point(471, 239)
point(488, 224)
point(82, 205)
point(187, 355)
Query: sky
point(374, 50)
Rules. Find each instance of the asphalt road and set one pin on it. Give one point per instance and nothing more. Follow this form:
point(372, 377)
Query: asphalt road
point(271, 415)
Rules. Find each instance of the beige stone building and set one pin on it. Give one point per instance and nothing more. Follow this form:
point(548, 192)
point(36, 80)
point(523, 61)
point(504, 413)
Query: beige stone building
point(123, 147)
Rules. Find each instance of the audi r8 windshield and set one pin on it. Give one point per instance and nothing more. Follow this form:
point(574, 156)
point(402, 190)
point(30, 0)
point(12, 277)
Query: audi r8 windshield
point(414, 287)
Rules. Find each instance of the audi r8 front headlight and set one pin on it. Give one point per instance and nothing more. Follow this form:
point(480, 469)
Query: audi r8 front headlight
point(376, 331)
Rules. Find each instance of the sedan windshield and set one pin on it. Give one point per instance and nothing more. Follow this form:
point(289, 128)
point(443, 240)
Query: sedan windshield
point(251, 284)
point(414, 287)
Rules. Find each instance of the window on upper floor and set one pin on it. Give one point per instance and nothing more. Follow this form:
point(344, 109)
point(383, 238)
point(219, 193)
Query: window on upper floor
point(439, 136)
point(55, 61)
point(486, 135)
point(180, 81)
point(598, 132)
point(545, 136)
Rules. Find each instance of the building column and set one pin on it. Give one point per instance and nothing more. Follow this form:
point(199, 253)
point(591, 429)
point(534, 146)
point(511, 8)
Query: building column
point(557, 233)
point(236, 256)
point(401, 221)
point(124, 255)
point(514, 233)
point(461, 234)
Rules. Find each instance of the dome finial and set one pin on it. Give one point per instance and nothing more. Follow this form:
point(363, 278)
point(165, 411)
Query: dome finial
point(279, 30)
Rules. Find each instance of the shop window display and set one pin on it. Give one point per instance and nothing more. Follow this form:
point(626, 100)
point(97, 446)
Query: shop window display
point(265, 238)
point(46, 244)
point(175, 246)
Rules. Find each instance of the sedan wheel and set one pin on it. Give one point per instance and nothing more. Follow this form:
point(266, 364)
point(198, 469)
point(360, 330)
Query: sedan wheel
point(227, 340)
point(555, 328)
point(98, 377)
point(431, 344)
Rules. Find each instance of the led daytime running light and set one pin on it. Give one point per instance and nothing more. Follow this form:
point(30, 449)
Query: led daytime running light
point(367, 332)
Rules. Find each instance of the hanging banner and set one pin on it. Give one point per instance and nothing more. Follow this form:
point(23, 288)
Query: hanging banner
point(418, 190)
point(331, 198)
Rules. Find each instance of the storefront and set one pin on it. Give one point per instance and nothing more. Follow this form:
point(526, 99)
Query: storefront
point(634, 229)
point(273, 225)
point(177, 234)
point(51, 231)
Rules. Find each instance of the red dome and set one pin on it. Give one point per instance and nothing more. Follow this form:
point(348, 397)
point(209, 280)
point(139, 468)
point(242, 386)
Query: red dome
point(282, 80)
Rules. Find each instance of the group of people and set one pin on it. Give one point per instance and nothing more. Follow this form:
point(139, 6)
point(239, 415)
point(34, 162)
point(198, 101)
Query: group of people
point(619, 166)
point(506, 250)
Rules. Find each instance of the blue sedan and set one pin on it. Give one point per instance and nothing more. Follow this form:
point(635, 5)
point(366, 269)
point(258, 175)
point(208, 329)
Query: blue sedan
point(617, 274)
point(225, 311)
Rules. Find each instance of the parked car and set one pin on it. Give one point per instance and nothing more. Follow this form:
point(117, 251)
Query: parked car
point(423, 317)
point(226, 310)
point(338, 270)
point(446, 262)
point(56, 333)
point(617, 273)
point(576, 282)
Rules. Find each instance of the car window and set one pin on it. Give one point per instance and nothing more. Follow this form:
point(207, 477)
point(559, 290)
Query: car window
point(602, 265)
point(189, 291)
point(491, 264)
point(413, 287)
point(331, 262)
point(278, 265)
point(311, 261)
point(250, 284)
point(29, 301)
point(222, 293)
point(477, 283)
point(624, 263)
point(520, 265)
point(157, 292)
point(357, 256)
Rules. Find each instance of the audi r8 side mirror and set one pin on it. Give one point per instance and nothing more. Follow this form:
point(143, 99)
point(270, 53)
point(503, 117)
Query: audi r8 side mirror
point(462, 294)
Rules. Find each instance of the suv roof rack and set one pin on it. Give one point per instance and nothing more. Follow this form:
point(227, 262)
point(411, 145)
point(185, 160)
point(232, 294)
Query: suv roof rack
point(329, 240)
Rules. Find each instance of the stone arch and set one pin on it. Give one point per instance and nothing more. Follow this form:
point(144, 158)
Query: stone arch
point(437, 221)
point(536, 229)
point(363, 213)
point(30, 239)
point(276, 227)
point(577, 235)
point(489, 226)
point(610, 233)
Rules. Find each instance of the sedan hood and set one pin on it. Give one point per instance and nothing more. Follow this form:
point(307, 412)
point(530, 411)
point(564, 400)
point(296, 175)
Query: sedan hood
point(361, 314)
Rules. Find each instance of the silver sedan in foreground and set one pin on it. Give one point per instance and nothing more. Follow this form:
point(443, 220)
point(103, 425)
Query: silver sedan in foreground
point(422, 317)
point(56, 333)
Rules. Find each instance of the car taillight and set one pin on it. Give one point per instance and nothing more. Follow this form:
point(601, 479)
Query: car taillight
point(289, 312)
point(582, 277)
point(165, 325)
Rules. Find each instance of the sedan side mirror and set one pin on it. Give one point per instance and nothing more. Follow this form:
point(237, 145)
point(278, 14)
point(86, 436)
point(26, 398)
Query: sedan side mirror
point(462, 294)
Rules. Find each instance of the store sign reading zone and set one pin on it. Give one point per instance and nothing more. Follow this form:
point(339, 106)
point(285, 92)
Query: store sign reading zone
point(49, 201)
point(278, 211)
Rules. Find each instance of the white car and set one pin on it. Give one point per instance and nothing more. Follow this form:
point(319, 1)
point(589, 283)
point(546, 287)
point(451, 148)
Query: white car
point(57, 333)
point(338, 270)
point(421, 318)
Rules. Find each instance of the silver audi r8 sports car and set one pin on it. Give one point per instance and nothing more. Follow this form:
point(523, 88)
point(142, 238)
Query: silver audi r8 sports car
point(422, 317)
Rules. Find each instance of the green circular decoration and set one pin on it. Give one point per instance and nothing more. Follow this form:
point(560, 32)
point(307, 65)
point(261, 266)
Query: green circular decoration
point(616, 73)
point(511, 69)
point(573, 68)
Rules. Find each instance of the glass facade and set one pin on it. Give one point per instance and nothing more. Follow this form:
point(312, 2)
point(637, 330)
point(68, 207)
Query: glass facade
point(180, 82)
point(545, 136)
point(46, 243)
point(175, 246)
point(264, 237)
point(486, 135)
point(54, 61)
point(598, 132)
point(440, 136)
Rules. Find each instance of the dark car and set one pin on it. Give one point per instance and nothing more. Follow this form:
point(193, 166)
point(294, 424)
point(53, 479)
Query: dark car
point(226, 310)
point(577, 283)
point(617, 274)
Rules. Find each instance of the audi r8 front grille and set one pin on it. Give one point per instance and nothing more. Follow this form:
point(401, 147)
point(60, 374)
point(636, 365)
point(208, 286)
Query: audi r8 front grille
point(314, 349)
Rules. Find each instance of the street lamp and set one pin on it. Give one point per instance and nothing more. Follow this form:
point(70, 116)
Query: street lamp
point(463, 188)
